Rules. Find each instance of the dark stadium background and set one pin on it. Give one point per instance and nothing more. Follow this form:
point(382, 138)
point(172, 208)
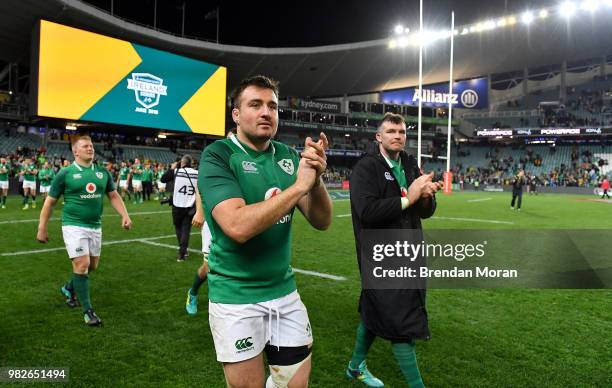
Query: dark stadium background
point(304, 23)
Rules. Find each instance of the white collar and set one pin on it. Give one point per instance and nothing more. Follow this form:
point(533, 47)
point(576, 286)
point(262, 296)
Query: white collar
point(81, 168)
point(237, 142)
point(399, 159)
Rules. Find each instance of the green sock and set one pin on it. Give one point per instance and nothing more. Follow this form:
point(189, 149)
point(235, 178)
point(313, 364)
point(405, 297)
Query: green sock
point(70, 285)
point(406, 357)
point(197, 282)
point(4, 200)
point(33, 198)
point(25, 199)
point(362, 344)
point(81, 286)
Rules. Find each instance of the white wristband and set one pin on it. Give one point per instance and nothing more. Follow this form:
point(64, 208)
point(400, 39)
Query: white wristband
point(405, 203)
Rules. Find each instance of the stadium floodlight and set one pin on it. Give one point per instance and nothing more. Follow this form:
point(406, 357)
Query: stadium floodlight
point(501, 22)
point(543, 14)
point(392, 44)
point(473, 29)
point(590, 5)
point(445, 34)
point(567, 9)
point(465, 31)
point(479, 27)
point(527, 17)
point(161, 136)
point(489, 25)
point(426, 37)
point(402, 42)
point(512, 20)
point(406, 30)
point(399, 29)
point(71, 127)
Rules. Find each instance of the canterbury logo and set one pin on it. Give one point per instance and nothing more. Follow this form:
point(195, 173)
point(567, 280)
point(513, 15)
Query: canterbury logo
point(244, 343)
point(249, 166)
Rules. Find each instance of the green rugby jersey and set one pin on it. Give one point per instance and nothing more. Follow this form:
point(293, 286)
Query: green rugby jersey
point(4, 176)
point(83, 189)
point(398, 172)
point(160, 172)
point(28, 172)
point(258, 270)
point(137, 172)
point(147, 175)
point(45, 176)
point(123, 173)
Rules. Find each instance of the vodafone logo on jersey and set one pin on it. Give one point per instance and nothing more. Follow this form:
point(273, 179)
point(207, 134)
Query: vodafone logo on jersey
point(272, 192)
point(90, 188)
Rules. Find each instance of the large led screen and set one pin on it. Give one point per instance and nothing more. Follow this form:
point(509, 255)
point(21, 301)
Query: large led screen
point(80, 75)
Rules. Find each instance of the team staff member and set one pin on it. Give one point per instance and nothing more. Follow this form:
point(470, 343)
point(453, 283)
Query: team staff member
point(251, 185)
point(388, 191)
point(147, 182)
point(83, 185)
point(186, 202)
point(5, 170)
point(517, 190)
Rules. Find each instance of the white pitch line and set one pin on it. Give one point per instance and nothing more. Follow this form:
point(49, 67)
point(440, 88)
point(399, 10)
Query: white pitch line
point(297, 270)
point(480, 199)
point(474, 220)
point(457, 219)
point(319, 274)
point(103, 215)
point(103, 243)
point(166, 245)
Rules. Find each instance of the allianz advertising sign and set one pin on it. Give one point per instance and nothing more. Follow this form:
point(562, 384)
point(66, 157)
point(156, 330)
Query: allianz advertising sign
point(470, 94)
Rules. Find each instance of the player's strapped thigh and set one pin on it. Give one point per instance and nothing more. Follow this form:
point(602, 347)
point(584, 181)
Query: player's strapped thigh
point(284, 362)
point(4, 185)
point(82, 241)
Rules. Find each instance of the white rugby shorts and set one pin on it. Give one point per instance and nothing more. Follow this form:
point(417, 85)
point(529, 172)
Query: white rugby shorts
point(81, 241)
point(29, 185)
point(241, 331)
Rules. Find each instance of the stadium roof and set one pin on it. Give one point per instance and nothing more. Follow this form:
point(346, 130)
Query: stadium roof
point(334, 70)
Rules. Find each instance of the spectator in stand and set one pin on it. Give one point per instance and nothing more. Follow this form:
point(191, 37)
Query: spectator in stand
point(605, 186)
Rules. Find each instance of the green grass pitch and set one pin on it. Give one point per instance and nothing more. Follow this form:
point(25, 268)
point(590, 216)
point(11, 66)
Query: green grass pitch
point(480, 338)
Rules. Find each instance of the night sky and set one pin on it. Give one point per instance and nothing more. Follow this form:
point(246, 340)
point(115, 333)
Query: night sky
point(307, 23)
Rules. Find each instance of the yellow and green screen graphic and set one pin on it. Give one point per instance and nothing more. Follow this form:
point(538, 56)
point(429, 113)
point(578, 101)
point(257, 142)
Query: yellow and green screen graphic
point(92, 77)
